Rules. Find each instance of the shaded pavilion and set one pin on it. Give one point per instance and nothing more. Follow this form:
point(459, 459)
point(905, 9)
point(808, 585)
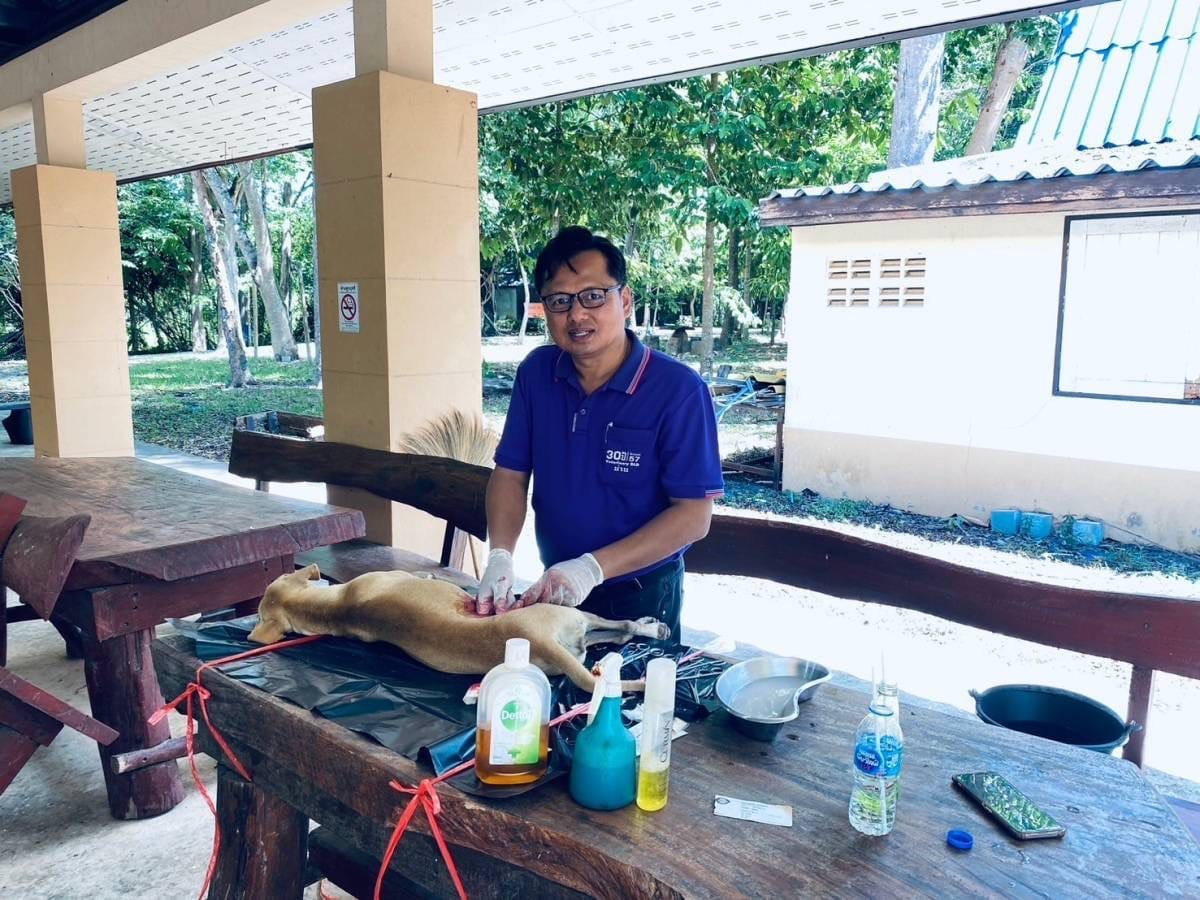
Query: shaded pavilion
point(388, 94)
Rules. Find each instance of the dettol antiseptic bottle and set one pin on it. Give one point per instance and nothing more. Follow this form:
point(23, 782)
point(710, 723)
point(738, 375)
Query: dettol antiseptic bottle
point(512, 738)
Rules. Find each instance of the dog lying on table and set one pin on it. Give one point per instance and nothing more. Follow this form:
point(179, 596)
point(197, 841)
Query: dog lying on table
point(430, 621)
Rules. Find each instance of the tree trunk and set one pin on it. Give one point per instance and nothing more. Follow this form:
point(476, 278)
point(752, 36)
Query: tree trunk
point(252, 305)
point(710, 236)
point(316, 305)
point(304, 320)
point(524, 287)
point(1010, 63)
point(706, 306)
point(630, 243)
point(729, 326)
point(747, 271)
point(915, 106)
point(224, 259)
point(283, 345)
point(199, 337)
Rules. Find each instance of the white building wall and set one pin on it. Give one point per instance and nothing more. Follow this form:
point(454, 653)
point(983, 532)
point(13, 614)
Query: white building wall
point(948, 407)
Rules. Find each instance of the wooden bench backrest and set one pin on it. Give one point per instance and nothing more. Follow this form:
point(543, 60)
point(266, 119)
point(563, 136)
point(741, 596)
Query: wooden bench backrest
point(446, 488)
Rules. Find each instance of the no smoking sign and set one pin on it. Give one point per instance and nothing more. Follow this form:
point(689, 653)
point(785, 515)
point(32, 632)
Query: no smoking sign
point(348, 308)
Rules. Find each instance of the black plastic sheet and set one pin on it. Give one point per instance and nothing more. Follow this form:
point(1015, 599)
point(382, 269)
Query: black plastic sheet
point(377, 690)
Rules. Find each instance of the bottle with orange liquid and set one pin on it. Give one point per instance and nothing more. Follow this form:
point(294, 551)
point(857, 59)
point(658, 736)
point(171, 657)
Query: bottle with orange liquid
point(512, 738)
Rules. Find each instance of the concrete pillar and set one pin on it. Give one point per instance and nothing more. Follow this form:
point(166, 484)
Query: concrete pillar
point(69, 249)
point(397, 196)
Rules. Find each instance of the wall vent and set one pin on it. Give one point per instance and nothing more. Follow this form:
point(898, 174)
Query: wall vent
point(893, 281)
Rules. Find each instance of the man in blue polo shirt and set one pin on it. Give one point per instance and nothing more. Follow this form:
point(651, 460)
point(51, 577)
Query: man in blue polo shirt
point(621, 445)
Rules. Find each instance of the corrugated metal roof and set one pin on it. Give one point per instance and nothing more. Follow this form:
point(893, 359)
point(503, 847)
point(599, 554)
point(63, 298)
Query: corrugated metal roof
point(1016, 165)
point(1124, 72)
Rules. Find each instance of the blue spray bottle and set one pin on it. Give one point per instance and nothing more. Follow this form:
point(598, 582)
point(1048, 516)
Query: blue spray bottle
point(604, 770)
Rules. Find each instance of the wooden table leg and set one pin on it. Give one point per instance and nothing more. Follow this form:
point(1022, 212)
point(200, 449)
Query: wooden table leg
point(1141, 695)
point(264, 843)
point(124, 693)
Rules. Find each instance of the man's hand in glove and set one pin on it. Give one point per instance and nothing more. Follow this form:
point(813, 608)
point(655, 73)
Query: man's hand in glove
point(566, 583)
point(496, 587)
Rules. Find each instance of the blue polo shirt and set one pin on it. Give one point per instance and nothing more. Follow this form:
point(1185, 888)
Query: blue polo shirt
point(605, 465)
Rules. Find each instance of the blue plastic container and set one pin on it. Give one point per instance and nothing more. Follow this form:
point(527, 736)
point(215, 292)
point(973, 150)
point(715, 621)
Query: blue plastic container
point(1038, 526)
point(1006, 521)
point(1087, 531)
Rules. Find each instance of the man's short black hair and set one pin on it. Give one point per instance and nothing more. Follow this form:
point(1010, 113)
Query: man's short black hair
point(569, 243)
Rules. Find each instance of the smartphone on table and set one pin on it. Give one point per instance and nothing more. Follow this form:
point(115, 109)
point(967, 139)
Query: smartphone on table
point(1006, 804)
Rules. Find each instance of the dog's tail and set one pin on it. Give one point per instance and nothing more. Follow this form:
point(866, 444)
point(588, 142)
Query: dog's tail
point(555, 654)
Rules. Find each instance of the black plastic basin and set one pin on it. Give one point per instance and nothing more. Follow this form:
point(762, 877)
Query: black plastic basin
point(1055, 714)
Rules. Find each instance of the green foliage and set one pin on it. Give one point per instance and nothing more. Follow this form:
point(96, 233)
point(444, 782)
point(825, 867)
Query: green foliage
point(157, 218)
point(970, 58)
point(644, 166)
point(11, 313)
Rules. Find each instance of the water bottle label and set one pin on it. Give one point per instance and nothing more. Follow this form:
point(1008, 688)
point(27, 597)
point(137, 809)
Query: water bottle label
point(882, 760)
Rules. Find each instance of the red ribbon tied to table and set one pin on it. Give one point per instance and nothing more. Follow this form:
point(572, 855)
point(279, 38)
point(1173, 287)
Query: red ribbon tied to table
point(197, 691)
point(424, 796)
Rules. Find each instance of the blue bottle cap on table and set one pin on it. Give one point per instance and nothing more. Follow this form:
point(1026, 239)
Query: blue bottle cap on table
point(960, 840)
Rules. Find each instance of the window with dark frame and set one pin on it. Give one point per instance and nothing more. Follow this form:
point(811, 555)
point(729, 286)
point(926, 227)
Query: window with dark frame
point(1129, 314)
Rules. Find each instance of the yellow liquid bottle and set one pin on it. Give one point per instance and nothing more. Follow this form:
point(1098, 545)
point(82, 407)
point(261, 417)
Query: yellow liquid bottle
point(652, 790)
point(512, 738)
point(658, 721)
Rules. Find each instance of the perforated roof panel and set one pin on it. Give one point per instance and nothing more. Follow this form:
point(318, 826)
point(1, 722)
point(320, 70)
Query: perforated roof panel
point(254, 98)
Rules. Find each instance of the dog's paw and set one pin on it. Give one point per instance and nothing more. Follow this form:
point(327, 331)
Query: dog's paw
point(658, 629)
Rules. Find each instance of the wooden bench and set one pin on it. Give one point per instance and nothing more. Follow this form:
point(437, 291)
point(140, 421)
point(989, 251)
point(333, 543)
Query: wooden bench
point(1153, 634)
point(19, 421)
point(35, 556)
point(445, 488)
point(32, 718)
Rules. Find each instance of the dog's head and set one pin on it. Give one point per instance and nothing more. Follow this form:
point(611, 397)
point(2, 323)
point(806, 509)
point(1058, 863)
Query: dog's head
point(273, 622)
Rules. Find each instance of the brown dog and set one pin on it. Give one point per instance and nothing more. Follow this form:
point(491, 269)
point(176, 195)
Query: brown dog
point(428, 619)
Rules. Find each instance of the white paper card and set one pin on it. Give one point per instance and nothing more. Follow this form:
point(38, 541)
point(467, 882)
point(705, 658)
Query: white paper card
point(750, 811)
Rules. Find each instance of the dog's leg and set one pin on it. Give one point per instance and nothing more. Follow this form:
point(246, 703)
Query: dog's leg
point(619, 631)
point(556, 656)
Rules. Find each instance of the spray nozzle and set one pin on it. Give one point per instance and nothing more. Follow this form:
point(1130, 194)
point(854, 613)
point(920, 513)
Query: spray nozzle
point(608, 684)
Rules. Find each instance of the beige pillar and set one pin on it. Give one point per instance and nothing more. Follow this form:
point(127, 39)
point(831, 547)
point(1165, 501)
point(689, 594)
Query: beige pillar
point(394, 36)
point(397, 215)
point(69, 249)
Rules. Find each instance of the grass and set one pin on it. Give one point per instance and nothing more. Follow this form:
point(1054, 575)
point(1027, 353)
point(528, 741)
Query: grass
point(183, 404)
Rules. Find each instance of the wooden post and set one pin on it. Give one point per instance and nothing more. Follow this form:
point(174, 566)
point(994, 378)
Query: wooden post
point(124, 692)
point(1141, 694)
point(264, 843)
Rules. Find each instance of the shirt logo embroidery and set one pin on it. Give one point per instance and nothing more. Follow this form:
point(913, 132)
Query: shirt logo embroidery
point(623, 460)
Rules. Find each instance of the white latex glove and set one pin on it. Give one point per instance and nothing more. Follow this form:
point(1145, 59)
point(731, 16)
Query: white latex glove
point(496, 587)
point(566, 583)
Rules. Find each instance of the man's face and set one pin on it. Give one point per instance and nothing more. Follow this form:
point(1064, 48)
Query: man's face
point(586, 333)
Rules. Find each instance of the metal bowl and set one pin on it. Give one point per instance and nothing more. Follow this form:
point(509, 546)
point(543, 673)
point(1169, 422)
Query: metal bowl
point(764, 693)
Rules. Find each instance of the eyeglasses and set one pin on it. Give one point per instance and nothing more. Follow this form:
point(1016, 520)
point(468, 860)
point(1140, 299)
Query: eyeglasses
point(589, 298)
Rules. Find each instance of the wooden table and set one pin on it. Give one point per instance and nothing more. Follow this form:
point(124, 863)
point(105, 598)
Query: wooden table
point(161, 543)
point(1121, 837)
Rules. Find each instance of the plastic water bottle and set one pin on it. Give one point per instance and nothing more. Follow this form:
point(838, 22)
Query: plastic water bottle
point(878, 756)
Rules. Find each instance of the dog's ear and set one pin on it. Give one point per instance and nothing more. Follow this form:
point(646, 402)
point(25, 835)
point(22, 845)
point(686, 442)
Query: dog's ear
point(309, 572)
